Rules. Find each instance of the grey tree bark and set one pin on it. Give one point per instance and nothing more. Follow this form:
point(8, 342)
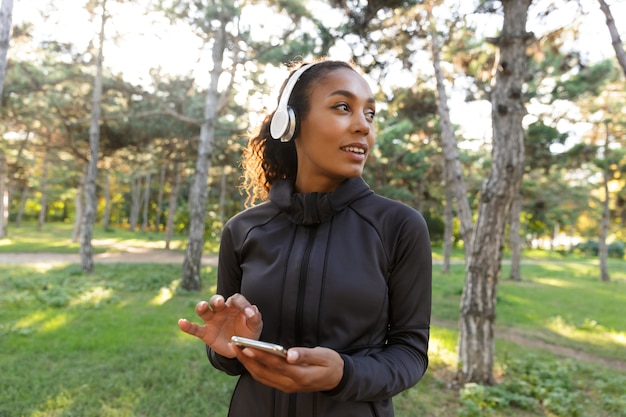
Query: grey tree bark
point(159, 207)
point(6, 15)
point(135, 201)
point(79, 202)
point(106, 218)
point(223, 194)
point(12, 185)
point(199, 189)
point(4, 196)
point(448, 219)
point(146, 202)
point(616, 41)
point(603, 249)
point(44, 190)
point(22, 205)
point(172, 204)
point(478, 308)
point(89, 215)
point(454, 178)
point(514, 239)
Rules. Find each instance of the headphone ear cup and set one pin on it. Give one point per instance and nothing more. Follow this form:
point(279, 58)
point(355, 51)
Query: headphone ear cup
point(280, 123)
point(283, 124)
point(291, 126)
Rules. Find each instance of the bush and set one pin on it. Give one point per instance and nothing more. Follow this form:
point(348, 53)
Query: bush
point(616, 250)
point(588, 248)
point(591, 248)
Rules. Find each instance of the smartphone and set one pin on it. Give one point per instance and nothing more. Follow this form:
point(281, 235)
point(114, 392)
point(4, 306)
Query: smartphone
point(277, 350)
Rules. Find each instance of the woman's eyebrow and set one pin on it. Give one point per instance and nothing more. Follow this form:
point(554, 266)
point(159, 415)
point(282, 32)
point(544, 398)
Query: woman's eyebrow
point(350, 95)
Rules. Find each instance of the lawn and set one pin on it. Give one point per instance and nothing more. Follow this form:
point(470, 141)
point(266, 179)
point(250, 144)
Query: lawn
point(107, 344)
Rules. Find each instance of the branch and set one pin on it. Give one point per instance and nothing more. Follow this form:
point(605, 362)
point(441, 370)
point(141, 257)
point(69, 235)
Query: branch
point(615, 39)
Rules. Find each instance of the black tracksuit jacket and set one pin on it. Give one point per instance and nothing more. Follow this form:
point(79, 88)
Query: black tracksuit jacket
point(348, 270)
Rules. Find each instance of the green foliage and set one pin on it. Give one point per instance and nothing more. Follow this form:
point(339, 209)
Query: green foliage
point(591, 248)
point(587, 81)
point(562, 388)
point(539, 138)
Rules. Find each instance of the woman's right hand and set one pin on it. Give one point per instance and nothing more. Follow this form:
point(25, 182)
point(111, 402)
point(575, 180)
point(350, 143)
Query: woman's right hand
point(222, 320)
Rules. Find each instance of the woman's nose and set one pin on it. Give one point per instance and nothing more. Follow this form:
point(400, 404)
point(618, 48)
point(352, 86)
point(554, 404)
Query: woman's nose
point(361, 124)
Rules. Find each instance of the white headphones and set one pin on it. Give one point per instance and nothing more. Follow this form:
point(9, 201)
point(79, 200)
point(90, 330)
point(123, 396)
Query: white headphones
point(283, 124)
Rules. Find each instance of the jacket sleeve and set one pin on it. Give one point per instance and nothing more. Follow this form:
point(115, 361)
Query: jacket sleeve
point(228, 283)
point(404, 359)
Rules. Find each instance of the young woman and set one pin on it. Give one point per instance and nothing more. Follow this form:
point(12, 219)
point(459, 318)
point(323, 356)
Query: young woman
point(325, 267)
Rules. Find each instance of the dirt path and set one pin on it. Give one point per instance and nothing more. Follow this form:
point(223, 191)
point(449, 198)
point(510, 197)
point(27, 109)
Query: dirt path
point(533, 340)
point(130, 255)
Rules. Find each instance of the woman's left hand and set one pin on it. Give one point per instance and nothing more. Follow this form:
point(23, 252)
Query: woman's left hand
point(304, 370)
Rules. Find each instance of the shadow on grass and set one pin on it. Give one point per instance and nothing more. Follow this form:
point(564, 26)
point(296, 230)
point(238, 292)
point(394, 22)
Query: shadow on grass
point(103, 344)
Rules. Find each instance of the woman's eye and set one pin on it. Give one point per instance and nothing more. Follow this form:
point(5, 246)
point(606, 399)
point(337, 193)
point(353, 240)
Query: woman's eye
point(342, 106)
point(370, 114)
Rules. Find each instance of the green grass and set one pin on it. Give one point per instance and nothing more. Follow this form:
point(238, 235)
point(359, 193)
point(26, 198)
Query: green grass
point(57, 238)
point(107, 344)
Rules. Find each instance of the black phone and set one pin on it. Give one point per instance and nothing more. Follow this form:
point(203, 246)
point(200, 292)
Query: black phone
point(275, 349)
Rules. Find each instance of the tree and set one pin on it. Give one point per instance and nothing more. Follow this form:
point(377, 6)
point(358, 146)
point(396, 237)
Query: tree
point(454, 179)
point(91, 202)
point(6, 12)
point(198, 196)
point(616, 41)
point(478, 308)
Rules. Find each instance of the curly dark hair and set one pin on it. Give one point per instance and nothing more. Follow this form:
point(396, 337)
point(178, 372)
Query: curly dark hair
point(265, 159)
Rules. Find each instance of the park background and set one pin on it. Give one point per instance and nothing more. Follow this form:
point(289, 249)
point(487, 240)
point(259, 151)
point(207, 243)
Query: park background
point(96, 338)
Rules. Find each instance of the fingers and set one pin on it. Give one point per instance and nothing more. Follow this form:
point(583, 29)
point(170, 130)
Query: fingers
point(191, 328)
point(253, 318)
point(305, 370)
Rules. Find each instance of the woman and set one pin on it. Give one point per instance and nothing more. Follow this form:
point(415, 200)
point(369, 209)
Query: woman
point(326, 267)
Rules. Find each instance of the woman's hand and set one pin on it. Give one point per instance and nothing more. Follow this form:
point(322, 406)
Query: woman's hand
point(304, 370)
point(224, 319)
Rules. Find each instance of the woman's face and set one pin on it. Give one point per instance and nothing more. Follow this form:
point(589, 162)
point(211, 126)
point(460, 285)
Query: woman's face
point(337, 134)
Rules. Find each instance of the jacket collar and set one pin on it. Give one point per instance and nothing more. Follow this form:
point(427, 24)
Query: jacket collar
point(314, 208)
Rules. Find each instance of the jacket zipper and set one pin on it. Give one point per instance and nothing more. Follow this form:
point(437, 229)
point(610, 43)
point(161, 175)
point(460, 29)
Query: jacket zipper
point(300, 306)
point(299, 339)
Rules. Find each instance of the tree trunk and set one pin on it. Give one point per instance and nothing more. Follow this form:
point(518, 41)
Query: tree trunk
point(199, 190)
point(159, 207)
point(6, 15)
point(89, 216)
point(106, 218)
point(448, 219)
point(135, 202)
point(223, 194)
point(454, 173)
point(478, 309)
point(79, 210)
point(44, 185)
point(20, 210)
point(603, 250)
point(14, 183)
point(4, 196)
point(146, 203)
point(514, 239)
point(618, 46)
point(169, 226)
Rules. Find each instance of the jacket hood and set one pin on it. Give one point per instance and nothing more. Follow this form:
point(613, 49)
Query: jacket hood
point(314, 208)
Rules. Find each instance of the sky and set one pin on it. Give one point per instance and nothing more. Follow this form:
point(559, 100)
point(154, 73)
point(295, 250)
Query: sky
point(139, 42)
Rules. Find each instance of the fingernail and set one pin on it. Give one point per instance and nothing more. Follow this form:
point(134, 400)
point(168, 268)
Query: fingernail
point(249, 312)
point(292, 355)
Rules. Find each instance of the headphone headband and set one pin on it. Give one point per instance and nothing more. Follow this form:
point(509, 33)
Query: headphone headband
point(283, 122)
